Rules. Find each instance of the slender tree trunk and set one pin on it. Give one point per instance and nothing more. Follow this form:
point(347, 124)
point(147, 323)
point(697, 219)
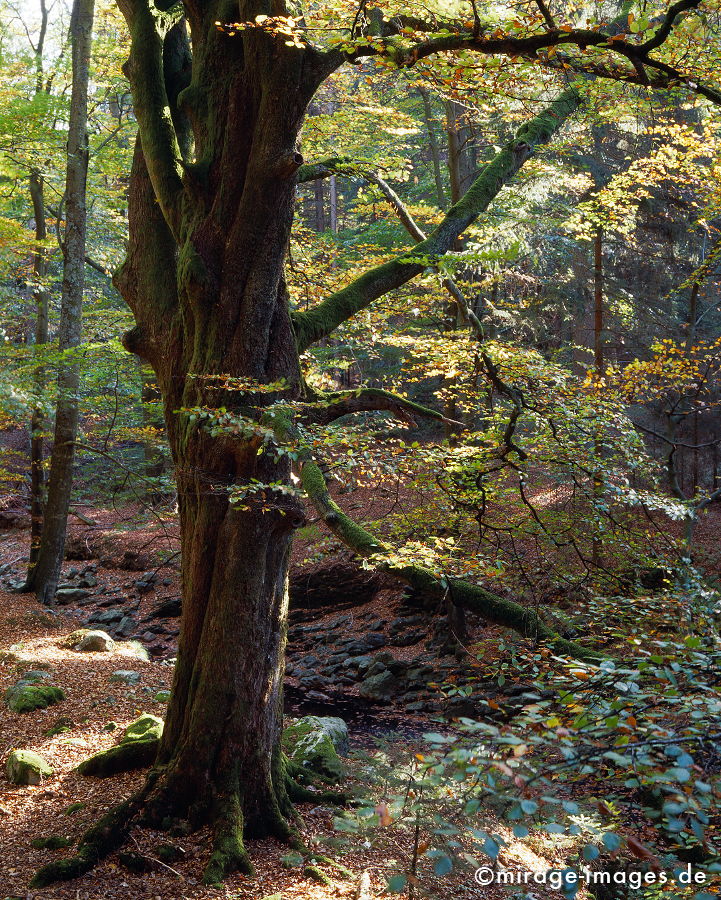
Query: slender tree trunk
point(333, 204)
point(37, 421)
point(598, 360)
point(433, 144)
point(461, 150)
point(319, 191)
point(41, 297)
point(43, 575)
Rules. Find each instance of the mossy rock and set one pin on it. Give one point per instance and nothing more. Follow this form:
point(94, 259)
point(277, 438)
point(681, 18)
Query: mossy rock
point(135, 862)
point(27, 767)
point(59, 726)
point(314, 743)
point(74, 638)
point(29, 693)
point(95, 642)
point(74, 807)
point(144, 728)
point(54, 842)
point(137, 749)
point(169, 853)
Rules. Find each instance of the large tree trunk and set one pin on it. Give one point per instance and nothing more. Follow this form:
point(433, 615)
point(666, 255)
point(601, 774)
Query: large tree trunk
point(208, 291)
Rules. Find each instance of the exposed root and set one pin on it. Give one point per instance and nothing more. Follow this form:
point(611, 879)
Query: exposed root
point(123, 758)
point(106, 836)
point(229, 853)
point(301, 794)
point(317, 875)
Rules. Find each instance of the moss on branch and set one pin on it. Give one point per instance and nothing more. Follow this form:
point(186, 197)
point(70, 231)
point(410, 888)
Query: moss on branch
point(323, 319)
point(488, 606)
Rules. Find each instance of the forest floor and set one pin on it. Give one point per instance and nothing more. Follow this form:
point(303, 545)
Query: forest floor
point(96, 707)
point(66, 803)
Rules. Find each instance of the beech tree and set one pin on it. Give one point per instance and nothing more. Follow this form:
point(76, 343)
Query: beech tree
point(46, 561)
point(211, 203)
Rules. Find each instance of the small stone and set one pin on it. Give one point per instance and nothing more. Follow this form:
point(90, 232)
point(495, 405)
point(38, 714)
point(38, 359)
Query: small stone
point(125, 676)
point(27, 767)
point(162, 697)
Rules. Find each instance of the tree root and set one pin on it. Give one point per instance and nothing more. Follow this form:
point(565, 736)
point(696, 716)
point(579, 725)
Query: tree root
point(122, 758)
point(229, 853)
point(106, 836)
point(301, 794)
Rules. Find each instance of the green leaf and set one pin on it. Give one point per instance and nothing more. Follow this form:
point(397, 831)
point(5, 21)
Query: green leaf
point(611, 841)
point(397, 883)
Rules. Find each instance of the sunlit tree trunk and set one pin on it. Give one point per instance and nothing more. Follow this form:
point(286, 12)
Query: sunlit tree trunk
point(44, 572)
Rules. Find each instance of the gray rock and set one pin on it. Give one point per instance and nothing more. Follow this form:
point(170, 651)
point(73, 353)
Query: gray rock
point(407, 638)
point(371, 641)
point(65, 595)
point(125, 676)
point(106, 617)
point(168, 609)
point(88, 581)
point(125, 627)
point(316, 741)
point(382, 686)
point(27, 767)
point(95, 642)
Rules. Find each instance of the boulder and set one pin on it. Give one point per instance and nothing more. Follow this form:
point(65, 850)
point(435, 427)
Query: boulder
point(30, 693)
point(380, 686)
point(95, 642)
point(27, 767)
point(168, 609)
point(106, 617)
point(125, 627)
point(65, 595)
point(314, 742)
point(144, 728)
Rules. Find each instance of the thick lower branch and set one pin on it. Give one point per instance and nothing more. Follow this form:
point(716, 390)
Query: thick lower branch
point(469, 596)
point(335, 406)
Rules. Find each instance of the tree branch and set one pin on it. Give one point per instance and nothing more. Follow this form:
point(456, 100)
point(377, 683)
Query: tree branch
point(488, 606)
point(144, 69)
point(323, 319)
point(344, 403)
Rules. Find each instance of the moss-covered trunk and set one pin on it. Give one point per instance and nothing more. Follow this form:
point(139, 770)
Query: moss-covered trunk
point(204, 277)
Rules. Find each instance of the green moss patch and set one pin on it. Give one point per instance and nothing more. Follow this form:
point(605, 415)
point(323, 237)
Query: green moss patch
point(136, 750)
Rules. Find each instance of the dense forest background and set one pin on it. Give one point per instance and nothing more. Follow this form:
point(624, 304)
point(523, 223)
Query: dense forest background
point(509, 587)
